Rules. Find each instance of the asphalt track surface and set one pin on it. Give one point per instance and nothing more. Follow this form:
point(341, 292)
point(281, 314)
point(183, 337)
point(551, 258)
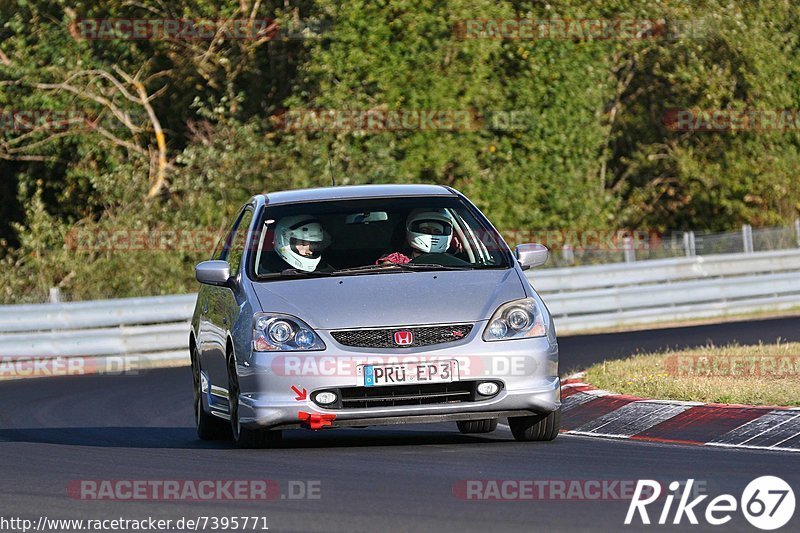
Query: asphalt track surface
point(57, 430)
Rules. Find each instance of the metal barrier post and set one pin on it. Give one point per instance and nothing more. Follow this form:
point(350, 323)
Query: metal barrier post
point(747, 238)
point(567, 254)
point(688, 244)
point(55, 295)
point(629, 252)
point(797, 229)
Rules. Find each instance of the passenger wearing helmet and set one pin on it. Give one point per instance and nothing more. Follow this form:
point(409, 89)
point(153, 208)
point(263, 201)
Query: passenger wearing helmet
point(299, 240)
point(429, 233)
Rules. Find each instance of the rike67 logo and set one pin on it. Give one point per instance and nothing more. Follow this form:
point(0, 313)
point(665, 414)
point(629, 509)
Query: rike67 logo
point(767, 503)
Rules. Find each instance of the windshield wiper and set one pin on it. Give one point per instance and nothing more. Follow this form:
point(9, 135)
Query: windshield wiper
point(370, 268)
point(434, 266)
point(294, 272)
point(402, 266)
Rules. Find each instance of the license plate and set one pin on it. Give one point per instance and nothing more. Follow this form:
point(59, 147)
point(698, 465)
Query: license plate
point(403, 373)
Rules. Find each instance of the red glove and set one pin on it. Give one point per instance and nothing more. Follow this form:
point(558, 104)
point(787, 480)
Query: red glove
point(395, 257)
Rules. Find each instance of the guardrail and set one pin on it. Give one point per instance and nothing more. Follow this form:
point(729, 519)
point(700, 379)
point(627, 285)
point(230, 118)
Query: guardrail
point(153, 330)
point(668, 290)
point(580, 298)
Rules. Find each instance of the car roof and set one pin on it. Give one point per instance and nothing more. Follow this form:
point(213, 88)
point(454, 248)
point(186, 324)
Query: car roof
point(356, 191)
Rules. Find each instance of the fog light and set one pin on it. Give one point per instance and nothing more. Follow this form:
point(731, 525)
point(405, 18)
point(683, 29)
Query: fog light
point(325, 398)
point(488, 388)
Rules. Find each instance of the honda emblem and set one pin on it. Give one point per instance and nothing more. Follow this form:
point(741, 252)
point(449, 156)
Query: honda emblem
point(403, 338)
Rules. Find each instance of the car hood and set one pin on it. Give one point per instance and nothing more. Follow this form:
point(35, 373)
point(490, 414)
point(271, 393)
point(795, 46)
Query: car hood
point(392, 299)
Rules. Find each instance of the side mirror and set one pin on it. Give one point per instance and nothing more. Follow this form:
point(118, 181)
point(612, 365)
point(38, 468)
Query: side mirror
point(213, 273)
point(531, 255)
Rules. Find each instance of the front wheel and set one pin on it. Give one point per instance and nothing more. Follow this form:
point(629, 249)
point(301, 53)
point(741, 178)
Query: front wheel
point(242, 436)
point(484, 425)
point(208, 426)
point(542, 427)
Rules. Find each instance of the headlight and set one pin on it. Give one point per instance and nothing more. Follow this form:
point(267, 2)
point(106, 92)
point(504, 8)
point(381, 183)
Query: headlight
point(280, 331)
point(516, 320)
point(273, 332)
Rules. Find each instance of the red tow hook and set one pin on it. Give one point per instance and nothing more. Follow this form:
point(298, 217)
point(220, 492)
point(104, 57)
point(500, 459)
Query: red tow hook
point(314, 420)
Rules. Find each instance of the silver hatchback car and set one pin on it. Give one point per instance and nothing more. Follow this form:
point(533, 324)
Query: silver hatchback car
point(370, 305)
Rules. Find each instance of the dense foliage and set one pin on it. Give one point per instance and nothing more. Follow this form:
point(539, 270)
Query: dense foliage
point(176, 133)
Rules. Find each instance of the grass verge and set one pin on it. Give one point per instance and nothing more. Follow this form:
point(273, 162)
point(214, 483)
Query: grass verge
point(764, 374)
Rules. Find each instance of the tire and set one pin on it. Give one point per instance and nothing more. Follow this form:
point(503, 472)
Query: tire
point(484, 425)
point(242, 436)
point(208, 426)
point(542, 427)
point(258, 438)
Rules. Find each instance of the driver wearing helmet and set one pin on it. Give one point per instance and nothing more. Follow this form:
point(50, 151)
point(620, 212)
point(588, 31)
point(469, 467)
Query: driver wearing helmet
point(300, 240)
point(429, 233)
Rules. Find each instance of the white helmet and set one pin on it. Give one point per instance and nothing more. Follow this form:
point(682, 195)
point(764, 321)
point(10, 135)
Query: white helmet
point(429, 230)
point(302, 230)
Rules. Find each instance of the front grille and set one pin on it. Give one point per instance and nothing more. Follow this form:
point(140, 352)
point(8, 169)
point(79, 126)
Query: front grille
point(395, 395)
point(384, 337)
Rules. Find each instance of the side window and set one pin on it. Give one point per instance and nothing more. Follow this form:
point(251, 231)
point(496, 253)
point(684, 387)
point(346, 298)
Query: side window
point(223, 247)
point(239, 241)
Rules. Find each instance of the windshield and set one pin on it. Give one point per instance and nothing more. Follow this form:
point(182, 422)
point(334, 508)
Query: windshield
point(374, 236)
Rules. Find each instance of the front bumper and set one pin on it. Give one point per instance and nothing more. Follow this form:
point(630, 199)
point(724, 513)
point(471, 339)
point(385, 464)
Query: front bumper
point(410, 419)
point(270, 382)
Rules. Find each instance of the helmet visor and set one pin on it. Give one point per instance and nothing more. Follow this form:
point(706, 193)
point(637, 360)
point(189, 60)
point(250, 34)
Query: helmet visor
point(431, 227)
point(309, 249)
